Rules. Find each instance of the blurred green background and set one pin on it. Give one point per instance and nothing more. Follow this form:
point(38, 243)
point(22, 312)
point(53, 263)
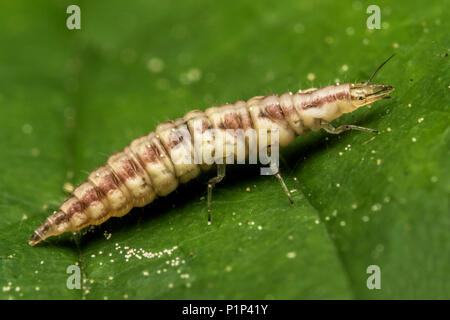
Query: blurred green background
point(69, 98)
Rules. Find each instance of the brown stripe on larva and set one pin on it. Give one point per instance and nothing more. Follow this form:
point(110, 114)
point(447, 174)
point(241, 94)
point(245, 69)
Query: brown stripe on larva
point(231, 121)
point(61, 217)
point(245, 119)
point(146, 169)
point(320, 97)
point(108, 182)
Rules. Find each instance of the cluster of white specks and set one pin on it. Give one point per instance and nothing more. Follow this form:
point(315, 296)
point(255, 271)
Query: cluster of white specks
point(251, 223)
point(155, 65)
point(310, 76)
point(107, 235)
point(191, 76)
point(184, 276)
point(291, 255)
point(376, 207)
point(175, 262)
point(141, 253)
point(420, 120)
point(348, 148)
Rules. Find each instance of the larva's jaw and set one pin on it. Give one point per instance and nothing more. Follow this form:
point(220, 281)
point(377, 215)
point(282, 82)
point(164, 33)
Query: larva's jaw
point(362, 94)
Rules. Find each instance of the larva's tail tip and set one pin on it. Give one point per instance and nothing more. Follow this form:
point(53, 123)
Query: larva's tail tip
point(34, 239)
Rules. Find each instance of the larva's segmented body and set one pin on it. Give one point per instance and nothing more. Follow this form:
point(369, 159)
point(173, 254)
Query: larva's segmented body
point(147, 168)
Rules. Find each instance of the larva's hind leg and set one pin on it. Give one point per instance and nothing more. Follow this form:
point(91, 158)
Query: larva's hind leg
point(330, 129)
point(277, 175)
point(211, 183)
point(283, 185)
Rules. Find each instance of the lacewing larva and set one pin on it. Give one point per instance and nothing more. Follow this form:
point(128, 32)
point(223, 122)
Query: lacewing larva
point(149, 168)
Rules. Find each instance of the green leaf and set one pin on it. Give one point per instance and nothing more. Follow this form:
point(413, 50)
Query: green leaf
point(70, 98)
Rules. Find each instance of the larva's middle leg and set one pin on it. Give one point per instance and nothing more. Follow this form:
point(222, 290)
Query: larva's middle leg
point(328, 127)
point(211, 183)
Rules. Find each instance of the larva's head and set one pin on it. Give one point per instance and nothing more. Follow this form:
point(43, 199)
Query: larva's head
point(363, 93)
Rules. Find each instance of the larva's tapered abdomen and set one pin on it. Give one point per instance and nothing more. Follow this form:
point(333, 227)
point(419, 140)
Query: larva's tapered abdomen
point(149, 167)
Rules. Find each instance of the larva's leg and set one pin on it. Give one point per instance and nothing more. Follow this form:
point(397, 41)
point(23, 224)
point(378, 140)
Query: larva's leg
point(330, 129)
point(283, 185)
point(211, 183)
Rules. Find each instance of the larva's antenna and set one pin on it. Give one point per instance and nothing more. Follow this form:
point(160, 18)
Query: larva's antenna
point(378, 69)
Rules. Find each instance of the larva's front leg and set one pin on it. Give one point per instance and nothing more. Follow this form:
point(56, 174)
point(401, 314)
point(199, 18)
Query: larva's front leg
point(328, 127)
point(211, 183)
